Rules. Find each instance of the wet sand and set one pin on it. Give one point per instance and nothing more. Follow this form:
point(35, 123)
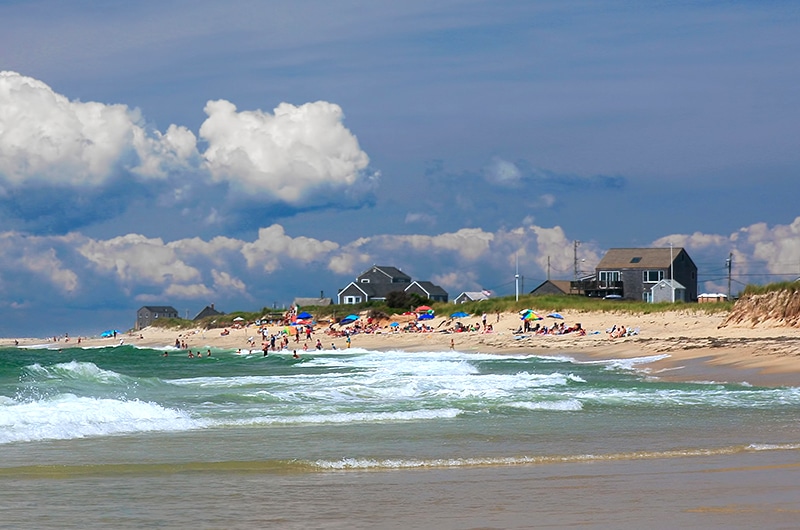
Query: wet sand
point(753, 490)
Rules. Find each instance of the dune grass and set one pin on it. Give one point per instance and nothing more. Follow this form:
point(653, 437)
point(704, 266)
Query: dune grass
point(541, 304)
point(792, 287)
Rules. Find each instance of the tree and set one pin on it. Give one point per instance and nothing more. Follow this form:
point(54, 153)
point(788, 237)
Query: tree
point(398, 300)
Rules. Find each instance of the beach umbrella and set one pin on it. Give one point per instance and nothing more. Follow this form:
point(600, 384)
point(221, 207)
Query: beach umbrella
point(394, 324)
point(556, 315)
point(425, 316)
point(108, 333)
point(304, 315)
point(424, 309)
point(238, 319)
point(348, 319)
point(460, 314)
point(529, 314)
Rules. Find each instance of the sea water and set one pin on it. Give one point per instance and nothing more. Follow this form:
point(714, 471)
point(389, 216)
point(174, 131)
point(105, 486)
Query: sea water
point(148, 440)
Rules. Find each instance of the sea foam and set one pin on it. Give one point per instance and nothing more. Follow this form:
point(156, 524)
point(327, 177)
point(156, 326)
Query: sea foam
point(68, 416)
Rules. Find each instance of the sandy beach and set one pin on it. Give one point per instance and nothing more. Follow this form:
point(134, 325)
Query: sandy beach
point(687, 344)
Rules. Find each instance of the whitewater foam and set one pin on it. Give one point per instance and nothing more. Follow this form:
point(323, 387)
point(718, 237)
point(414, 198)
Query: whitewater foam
point(68, 416)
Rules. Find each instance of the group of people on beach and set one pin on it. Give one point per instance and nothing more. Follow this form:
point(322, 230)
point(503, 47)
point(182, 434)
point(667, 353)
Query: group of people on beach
point(617, 332)
point(558, 328)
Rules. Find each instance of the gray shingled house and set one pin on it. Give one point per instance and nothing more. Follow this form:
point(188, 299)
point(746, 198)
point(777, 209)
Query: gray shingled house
point(208, 311)
point(378, 281)
point(146, 315)
point(631, 273)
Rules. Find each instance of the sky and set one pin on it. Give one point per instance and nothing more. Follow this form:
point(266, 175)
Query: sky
point(246, 153)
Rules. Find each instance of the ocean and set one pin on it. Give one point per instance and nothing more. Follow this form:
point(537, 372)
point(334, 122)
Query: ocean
point(124, 437)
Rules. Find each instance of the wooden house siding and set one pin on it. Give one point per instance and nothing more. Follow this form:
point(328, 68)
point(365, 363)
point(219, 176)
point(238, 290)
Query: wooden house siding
point(632, 264)
point(146, 315)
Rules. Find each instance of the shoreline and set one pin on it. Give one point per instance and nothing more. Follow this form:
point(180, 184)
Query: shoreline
point(696, 346)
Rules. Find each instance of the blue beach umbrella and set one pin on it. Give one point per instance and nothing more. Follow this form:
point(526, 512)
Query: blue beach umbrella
point(348, 319)
point(305, 315)
point(459, 314)
point(556, 315)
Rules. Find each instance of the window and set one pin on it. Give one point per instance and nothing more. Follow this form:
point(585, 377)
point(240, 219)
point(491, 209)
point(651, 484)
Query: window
point(364, 280)
point(352, 299)
point(652, 276)
point(608, 276)
point(636, 259)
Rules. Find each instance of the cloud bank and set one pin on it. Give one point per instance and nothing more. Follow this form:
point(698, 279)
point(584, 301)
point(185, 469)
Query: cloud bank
point(65, 164)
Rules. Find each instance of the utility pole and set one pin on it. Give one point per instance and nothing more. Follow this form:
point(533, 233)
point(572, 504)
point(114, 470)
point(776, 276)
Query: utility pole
point(671, 272)
point(729, 265)
point(548, 268)
point(575, 257)
point(516, 277)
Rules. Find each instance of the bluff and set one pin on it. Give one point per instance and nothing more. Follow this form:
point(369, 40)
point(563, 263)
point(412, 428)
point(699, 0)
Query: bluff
point(775, 308)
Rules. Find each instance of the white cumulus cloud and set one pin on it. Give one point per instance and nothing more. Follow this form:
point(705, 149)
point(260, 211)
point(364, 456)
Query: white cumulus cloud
point(287, 155)
point(273, 245)
point(136, 259)
point(46, 137)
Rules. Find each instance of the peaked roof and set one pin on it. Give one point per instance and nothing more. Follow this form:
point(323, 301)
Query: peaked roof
point(561, 285)
point(159, 308)
point(391, 272)
point(670, 283)
point(639, 258)
point(207, 311)
point(475, 296)
point(429, 287)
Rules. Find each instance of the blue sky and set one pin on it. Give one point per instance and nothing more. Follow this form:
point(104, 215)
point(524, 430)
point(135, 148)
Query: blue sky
point(242, 154)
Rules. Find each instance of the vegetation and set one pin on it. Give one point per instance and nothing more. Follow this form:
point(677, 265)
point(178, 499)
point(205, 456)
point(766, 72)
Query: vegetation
point(544, 304)
point(791, 287)
point(401, 304)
